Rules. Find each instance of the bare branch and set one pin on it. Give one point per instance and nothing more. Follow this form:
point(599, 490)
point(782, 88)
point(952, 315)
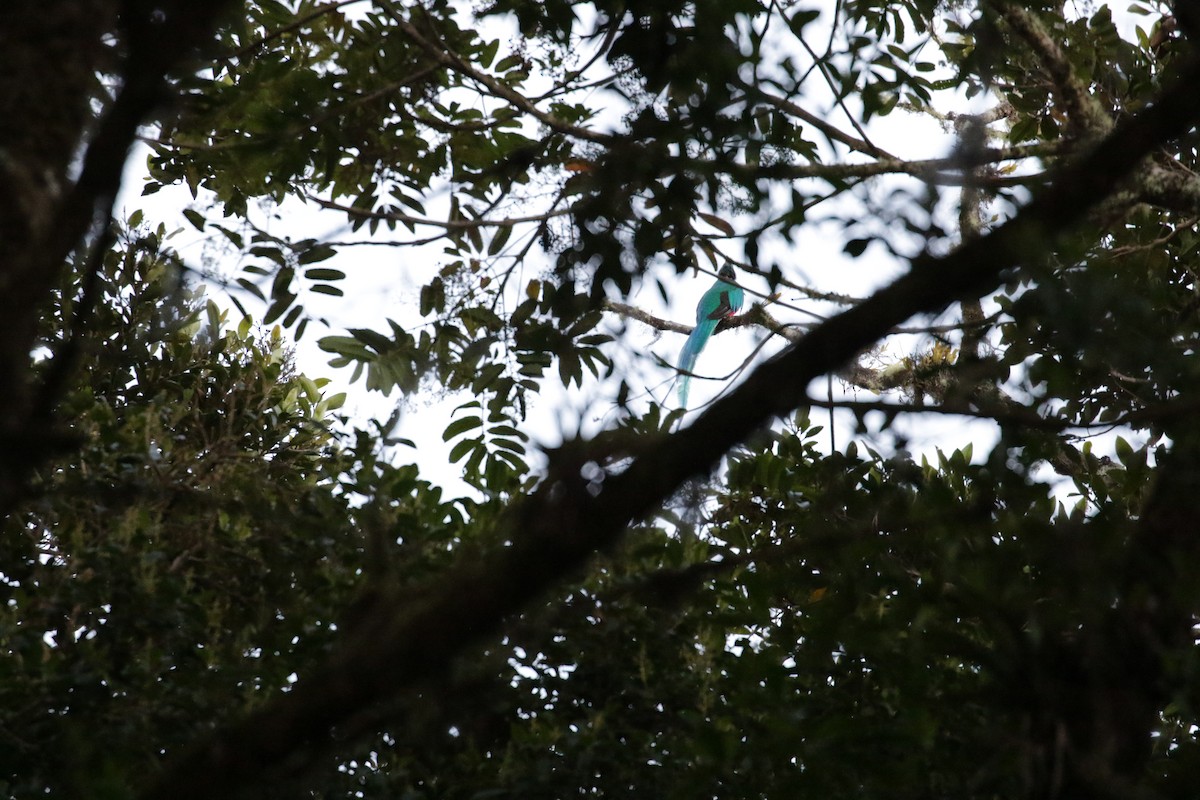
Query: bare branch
point(1175, 188)
point(645, 317)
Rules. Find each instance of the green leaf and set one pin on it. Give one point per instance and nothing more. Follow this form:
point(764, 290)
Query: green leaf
point(319, 252)
point(855, 247)
point(324, 274)
point(195, 217)
point(460, 426)
point(460, 450)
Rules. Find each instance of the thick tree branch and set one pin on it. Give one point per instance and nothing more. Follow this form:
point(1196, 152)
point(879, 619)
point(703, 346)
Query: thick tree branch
point(550, 535)
point(1085, 117)
point(41, 226)
point(1174, 189)
point(972, 137)
point(155, 48)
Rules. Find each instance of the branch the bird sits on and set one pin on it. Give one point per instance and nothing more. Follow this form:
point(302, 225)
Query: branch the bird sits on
point(722, 300)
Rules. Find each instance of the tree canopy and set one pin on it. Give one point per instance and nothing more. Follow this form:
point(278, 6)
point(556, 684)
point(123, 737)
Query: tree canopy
point(217, 584)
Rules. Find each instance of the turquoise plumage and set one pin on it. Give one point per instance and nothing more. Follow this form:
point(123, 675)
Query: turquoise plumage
point(722, 300)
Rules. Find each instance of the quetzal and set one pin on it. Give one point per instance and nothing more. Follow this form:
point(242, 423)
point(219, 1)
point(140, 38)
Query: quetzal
point(723, 300)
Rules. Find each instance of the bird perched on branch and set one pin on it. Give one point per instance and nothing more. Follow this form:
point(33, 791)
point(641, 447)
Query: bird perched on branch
point(721, 301)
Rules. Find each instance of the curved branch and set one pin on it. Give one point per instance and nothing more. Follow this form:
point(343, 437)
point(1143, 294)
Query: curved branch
point(1085, 116)
point(155, 44)
point(832, 131)
point(645, 317)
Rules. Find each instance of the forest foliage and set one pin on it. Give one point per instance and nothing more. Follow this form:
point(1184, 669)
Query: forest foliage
point(217, 583)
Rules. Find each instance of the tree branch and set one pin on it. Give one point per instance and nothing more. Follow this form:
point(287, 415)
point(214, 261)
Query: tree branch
point(646, 318)
point(935, 170)
point(1085, 117)
point(157, 40)
point(803, 114)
